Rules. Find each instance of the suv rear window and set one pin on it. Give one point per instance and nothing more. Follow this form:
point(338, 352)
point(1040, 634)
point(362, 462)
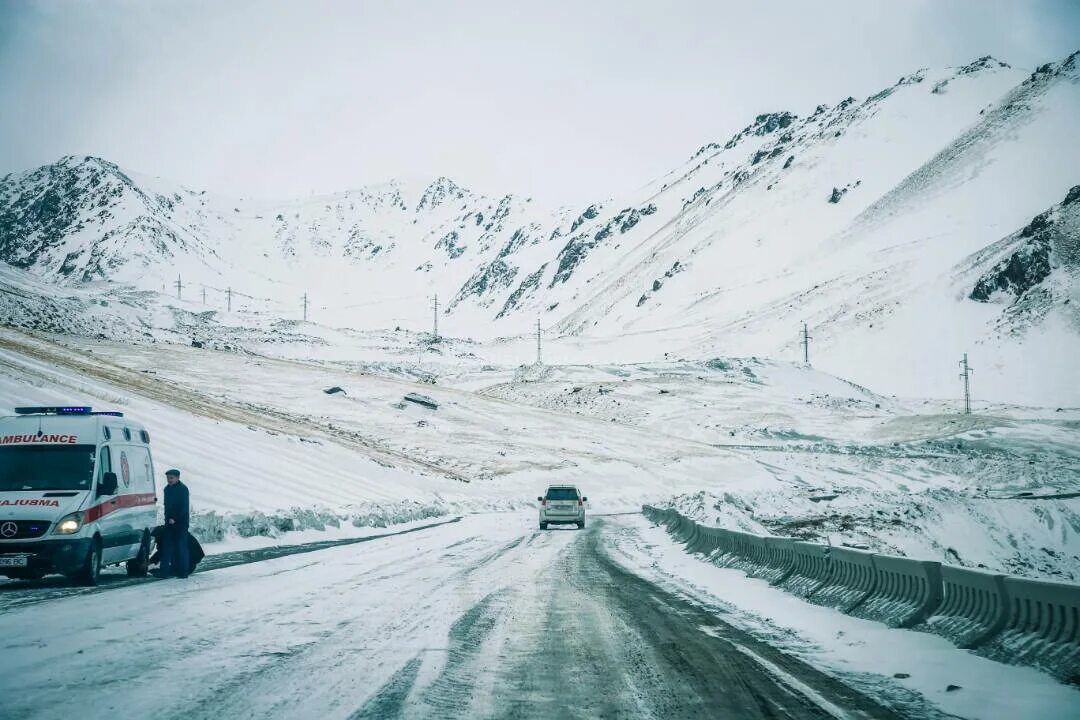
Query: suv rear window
point(562, 494)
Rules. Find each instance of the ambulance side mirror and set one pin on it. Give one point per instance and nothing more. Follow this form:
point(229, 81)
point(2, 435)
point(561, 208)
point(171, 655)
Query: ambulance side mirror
point(107, 486)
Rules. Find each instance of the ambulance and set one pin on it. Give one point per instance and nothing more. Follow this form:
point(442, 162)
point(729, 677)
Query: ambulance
point(76, 493)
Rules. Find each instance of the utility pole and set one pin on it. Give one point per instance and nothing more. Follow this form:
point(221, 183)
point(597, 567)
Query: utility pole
point(435, 332)
point(965, 375)
point(806, 344)
point(204, 295)
point(228, 294)
point(537, 341)
point(179, 286)
point(305, 307)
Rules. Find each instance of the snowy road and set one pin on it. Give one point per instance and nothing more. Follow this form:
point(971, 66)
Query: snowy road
point(487, 617)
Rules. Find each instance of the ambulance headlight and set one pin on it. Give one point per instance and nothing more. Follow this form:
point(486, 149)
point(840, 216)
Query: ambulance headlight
point(69, 524)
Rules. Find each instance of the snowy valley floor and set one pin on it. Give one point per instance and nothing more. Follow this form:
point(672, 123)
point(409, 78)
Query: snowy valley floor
point(489, 617)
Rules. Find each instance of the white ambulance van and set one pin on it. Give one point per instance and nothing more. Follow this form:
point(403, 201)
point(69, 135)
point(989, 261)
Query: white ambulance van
point(76, 493)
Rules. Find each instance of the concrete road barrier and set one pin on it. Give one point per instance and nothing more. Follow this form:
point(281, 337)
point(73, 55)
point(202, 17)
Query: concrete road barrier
point(1042, 628)
point(760, 557)
point(720, 544)
point(906, 592)
point(852, 578)
point(683, 528)
point(1010, 619)
point(703, 540)
point(748, 549)
point(780, 560)
point(974, 607)
point(726, 551)
point(810, 569)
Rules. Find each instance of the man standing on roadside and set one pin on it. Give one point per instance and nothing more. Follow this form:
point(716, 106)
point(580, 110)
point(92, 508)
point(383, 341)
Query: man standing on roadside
point(174, 558)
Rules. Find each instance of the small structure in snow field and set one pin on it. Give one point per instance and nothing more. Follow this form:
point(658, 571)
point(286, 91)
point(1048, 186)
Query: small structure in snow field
point(334, 390)
point(422, 400)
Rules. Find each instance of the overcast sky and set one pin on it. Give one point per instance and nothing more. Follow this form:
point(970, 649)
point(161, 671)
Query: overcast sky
point(564, 101)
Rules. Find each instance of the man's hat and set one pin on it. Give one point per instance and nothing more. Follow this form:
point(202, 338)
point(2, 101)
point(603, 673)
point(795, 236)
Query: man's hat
point(173, 472)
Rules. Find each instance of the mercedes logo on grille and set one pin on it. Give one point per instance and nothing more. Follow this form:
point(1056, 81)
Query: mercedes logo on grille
point(9, 529)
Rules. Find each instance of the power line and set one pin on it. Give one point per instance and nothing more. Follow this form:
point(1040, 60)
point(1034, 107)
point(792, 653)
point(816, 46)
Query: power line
point(305, 307)
point(228, 294)
point(179, 286)
point(537, 341)
point(965, 375)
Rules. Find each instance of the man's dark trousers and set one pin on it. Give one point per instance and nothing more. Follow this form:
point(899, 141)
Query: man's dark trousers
point(174, 557)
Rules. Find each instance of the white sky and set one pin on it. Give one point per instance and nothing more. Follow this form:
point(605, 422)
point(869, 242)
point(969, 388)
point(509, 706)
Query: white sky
point(564, 101)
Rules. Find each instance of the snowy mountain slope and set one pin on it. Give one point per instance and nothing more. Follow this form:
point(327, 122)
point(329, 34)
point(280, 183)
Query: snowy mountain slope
point(858, 236)
point(851, 218)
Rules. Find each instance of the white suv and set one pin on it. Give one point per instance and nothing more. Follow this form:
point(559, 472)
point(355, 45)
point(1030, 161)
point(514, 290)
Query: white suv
point(562, 504)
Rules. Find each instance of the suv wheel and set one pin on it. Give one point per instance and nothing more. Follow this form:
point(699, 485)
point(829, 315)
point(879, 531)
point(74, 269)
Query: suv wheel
point(90, 571)
point(543, 526)
point(581, 525)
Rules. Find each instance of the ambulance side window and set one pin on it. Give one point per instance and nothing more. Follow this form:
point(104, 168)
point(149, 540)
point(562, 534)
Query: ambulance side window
point(104, 462)
point(140, 469)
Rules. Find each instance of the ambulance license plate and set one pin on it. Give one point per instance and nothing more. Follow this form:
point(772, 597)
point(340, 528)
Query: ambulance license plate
point(13, 561)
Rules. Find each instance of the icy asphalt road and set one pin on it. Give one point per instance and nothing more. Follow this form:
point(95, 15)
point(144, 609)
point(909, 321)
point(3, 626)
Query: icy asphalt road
point(487, 617)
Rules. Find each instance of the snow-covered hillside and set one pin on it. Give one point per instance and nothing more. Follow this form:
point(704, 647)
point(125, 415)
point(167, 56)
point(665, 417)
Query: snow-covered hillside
point(873, 220)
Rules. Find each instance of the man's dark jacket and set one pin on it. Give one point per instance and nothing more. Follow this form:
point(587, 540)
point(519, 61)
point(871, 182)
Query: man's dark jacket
point(176, 504)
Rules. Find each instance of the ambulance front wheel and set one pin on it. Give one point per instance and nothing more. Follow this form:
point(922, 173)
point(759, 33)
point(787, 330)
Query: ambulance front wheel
point(90, 571)
point(140, 565)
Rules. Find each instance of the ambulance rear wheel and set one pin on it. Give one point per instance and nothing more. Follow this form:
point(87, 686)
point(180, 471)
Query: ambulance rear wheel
point(90, 571)
point(140, 565)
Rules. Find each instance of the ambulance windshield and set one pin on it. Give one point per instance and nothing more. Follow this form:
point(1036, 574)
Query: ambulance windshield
point(46, 467)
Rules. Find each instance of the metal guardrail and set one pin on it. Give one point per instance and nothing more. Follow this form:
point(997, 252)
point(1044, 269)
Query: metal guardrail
point(1006, 618)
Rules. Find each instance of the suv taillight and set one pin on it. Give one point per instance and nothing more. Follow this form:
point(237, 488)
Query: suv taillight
point(544, 503)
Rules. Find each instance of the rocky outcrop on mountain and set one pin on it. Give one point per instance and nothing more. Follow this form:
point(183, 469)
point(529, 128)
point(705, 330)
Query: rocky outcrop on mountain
point(81, 218)
point(578, 247)
point(493, 276)
point(441, 191)
point(983, 64)
point(1034, 271)
point(450, 243)
point(1049, 241)
point(1023, 269)
point(526, 288)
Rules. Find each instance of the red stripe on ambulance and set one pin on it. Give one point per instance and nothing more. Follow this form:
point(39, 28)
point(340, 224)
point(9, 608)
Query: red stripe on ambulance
point(120, 502)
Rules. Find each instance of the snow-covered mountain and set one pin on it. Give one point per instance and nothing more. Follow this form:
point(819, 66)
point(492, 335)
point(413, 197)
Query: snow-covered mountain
point(879, 221)
point(85, 219)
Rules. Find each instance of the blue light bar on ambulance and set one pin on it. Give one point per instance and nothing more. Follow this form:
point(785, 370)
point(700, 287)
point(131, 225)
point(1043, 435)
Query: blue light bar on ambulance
point(55, 410)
